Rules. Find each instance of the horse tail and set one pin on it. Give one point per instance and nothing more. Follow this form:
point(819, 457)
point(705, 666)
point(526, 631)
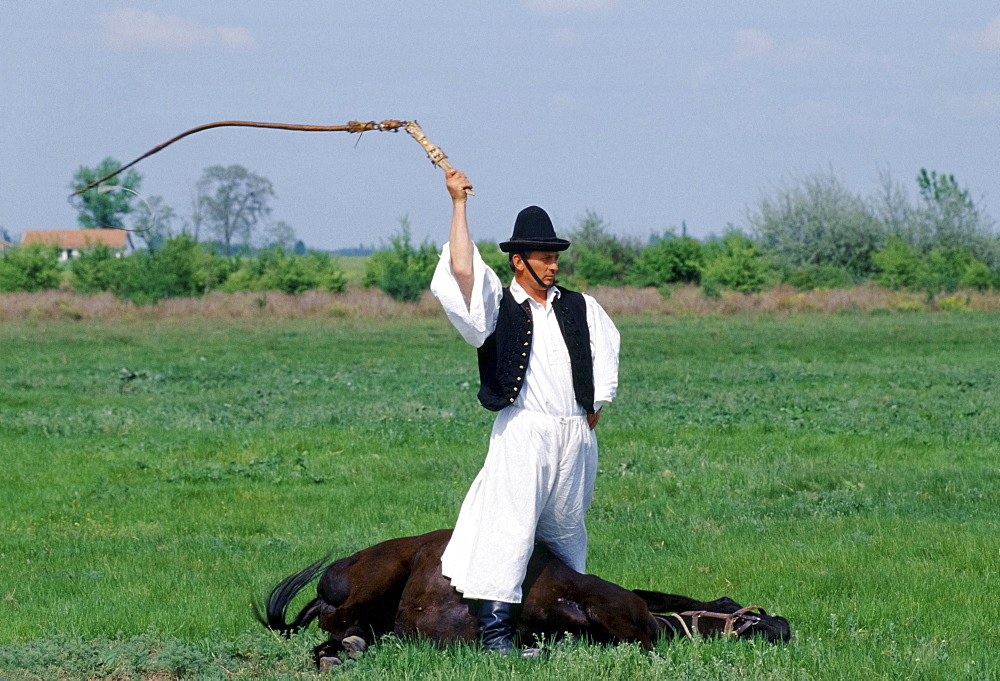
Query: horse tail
point(277, 601)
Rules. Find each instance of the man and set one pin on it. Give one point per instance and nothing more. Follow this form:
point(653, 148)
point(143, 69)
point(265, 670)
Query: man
point(548, 362)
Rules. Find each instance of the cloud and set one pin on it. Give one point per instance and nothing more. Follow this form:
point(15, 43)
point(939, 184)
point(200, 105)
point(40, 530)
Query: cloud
point(132, 29)
point(569, 6)
point(751, 42)
point(987, 40)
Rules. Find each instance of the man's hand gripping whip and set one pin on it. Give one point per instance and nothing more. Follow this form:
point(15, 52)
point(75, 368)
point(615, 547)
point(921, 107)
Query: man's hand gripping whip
point(435, 154)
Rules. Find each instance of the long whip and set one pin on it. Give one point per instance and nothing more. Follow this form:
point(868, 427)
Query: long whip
point(434, 153)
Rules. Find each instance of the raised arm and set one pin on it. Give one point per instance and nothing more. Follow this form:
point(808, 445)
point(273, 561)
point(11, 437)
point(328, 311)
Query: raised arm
point(460, 243)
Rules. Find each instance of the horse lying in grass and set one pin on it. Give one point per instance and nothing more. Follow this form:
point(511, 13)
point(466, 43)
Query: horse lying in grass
point(397, 587)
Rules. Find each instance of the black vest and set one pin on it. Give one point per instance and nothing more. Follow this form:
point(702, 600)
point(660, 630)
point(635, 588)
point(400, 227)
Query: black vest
point(503, 358)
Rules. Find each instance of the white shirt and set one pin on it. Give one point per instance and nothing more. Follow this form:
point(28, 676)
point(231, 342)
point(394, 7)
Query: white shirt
point(549, 379)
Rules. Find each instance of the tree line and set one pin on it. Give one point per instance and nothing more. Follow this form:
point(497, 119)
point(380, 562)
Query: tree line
point(812, 233)
point(229, 204)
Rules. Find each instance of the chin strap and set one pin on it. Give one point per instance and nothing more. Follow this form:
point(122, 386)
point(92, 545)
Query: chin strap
point(538, 279)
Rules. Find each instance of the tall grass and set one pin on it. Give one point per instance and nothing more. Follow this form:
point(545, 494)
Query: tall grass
point(840, 470)
point(372, 303)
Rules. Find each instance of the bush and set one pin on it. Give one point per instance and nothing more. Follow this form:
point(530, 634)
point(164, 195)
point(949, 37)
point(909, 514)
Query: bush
point(95, 270)
point(978, 276)
point(495, 259)
point(592, 268)
point(180, 268)
point(946, 267)
point(30, 268)
point(813, 277)
point(596, 257)
point(402, 271)
point(953, 304)
point(275, 270)
point(899, 265)
point(739, 266)
point(670, 259)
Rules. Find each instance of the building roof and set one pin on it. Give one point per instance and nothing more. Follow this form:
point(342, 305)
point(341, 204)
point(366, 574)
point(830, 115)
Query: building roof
point(75, 238)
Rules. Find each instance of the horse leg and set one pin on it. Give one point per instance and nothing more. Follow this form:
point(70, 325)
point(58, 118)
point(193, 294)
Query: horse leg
point(326, 655)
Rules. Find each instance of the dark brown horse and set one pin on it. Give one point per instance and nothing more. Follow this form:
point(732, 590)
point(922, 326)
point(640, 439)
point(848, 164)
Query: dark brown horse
point(397, 587)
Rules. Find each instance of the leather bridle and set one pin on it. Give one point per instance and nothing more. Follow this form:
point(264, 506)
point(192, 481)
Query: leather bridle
point(736, 623)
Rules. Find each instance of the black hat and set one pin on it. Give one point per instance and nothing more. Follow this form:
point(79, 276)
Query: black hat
point(533, 231)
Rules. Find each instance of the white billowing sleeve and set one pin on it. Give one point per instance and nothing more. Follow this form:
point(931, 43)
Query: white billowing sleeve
point(605, 344)
point(477, 320)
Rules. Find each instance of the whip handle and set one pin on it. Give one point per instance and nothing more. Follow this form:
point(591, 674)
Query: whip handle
point(434, 153)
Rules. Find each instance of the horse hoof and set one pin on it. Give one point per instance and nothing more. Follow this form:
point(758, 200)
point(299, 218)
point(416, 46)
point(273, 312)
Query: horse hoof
point(531, 653)
point(354, 645)
point(328, 663)
point(658, 659)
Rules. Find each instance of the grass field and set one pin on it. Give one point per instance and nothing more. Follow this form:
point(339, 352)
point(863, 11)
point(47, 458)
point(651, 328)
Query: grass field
point(354, 268)
point(840, 470)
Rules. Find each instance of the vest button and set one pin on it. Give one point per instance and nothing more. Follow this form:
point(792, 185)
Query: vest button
point(515, 388)
point(529, 332)
point(521, 366)
point(518, 378)
point(524, 354)
point(525, 343)
point(512, 399)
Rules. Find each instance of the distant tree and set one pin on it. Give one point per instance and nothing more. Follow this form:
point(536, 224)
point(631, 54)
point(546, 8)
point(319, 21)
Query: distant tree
point(231, 202)
point(597, 257)
point(278, 234)
point(196, 219)
point(951, 218)
point(154, 223)
point(106, 209)
point(300, 247)
point(818, 221)
point(892, 207)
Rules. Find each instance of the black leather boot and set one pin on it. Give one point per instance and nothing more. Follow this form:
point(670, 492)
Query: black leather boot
point(496, 630)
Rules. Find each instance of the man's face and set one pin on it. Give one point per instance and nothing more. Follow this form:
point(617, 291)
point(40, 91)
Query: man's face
point(544, 263)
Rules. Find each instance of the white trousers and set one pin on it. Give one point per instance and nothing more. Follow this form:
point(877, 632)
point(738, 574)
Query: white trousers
point(536, 484)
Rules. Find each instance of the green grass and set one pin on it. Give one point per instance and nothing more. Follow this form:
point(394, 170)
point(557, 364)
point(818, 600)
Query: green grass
point(838, 470)
point(354, 268)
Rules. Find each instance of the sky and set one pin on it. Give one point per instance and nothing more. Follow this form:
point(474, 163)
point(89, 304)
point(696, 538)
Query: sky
point(651, 115)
